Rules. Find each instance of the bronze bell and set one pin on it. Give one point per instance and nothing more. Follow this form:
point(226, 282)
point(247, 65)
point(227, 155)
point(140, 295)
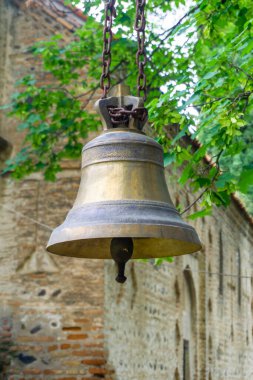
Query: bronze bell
point(123, 208)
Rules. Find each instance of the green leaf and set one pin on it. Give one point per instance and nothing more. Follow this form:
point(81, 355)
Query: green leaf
point(200, 214)
point(203, 182)
point(187, 174)
point(245, 180)
point(168, 158)
point(223, 180)
point(220, 198)
point(210, 75)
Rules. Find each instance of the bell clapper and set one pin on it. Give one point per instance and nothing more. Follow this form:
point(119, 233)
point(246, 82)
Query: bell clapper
point(121, 251)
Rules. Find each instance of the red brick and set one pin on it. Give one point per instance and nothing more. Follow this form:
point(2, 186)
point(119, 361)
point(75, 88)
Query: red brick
point(71, 328)
point(94, 361)
point(94, 312)
point(37, 275)
point(82, 353)
point(97, 371)
point(35, 339)
point(52, 348)
point(82, 320)
point(77, 336)
point(91, 344)
point(88, 353)
point(75, 346)
point(65, 346)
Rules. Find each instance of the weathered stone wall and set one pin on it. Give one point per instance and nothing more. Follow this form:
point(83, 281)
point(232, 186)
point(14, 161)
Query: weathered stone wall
point(51, 309)
point(64, 318)
point(148, 319)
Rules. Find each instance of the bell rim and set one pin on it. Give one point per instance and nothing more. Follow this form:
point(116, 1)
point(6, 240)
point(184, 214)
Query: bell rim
point(160, 234)
point(194, 249)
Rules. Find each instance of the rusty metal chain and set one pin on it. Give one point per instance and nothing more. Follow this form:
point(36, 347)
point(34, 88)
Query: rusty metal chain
point(105, 80)
point(141, 58)
point(121, 115)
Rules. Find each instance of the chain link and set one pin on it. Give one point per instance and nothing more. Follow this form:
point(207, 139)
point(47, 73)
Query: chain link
point(105, 80)
point(141, 58)
point(120, 115)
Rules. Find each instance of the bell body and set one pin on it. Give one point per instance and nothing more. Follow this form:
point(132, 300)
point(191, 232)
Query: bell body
point(123, 194)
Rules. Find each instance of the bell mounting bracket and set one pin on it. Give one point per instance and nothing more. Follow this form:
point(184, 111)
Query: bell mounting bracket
point(122, 110)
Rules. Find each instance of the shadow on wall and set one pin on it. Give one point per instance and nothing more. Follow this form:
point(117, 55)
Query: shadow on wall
point(5, 150)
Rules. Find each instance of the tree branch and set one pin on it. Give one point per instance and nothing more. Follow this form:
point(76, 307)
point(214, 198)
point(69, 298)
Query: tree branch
point(217, 165)
point(171, 30)
point(195, 201)
point(238, 68)
point(242, 95)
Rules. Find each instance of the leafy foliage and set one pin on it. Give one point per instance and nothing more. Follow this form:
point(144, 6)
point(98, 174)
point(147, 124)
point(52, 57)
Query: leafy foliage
point(200, 85)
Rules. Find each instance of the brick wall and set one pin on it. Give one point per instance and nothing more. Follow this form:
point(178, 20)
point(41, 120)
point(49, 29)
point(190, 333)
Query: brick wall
point(145, 319)
point(51, 309)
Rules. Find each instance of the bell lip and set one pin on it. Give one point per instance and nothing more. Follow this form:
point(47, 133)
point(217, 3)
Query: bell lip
point(194, 249)
point(182, 235)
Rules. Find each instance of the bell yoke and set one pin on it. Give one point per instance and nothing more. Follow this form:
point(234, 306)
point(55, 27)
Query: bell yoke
point(123, 208)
